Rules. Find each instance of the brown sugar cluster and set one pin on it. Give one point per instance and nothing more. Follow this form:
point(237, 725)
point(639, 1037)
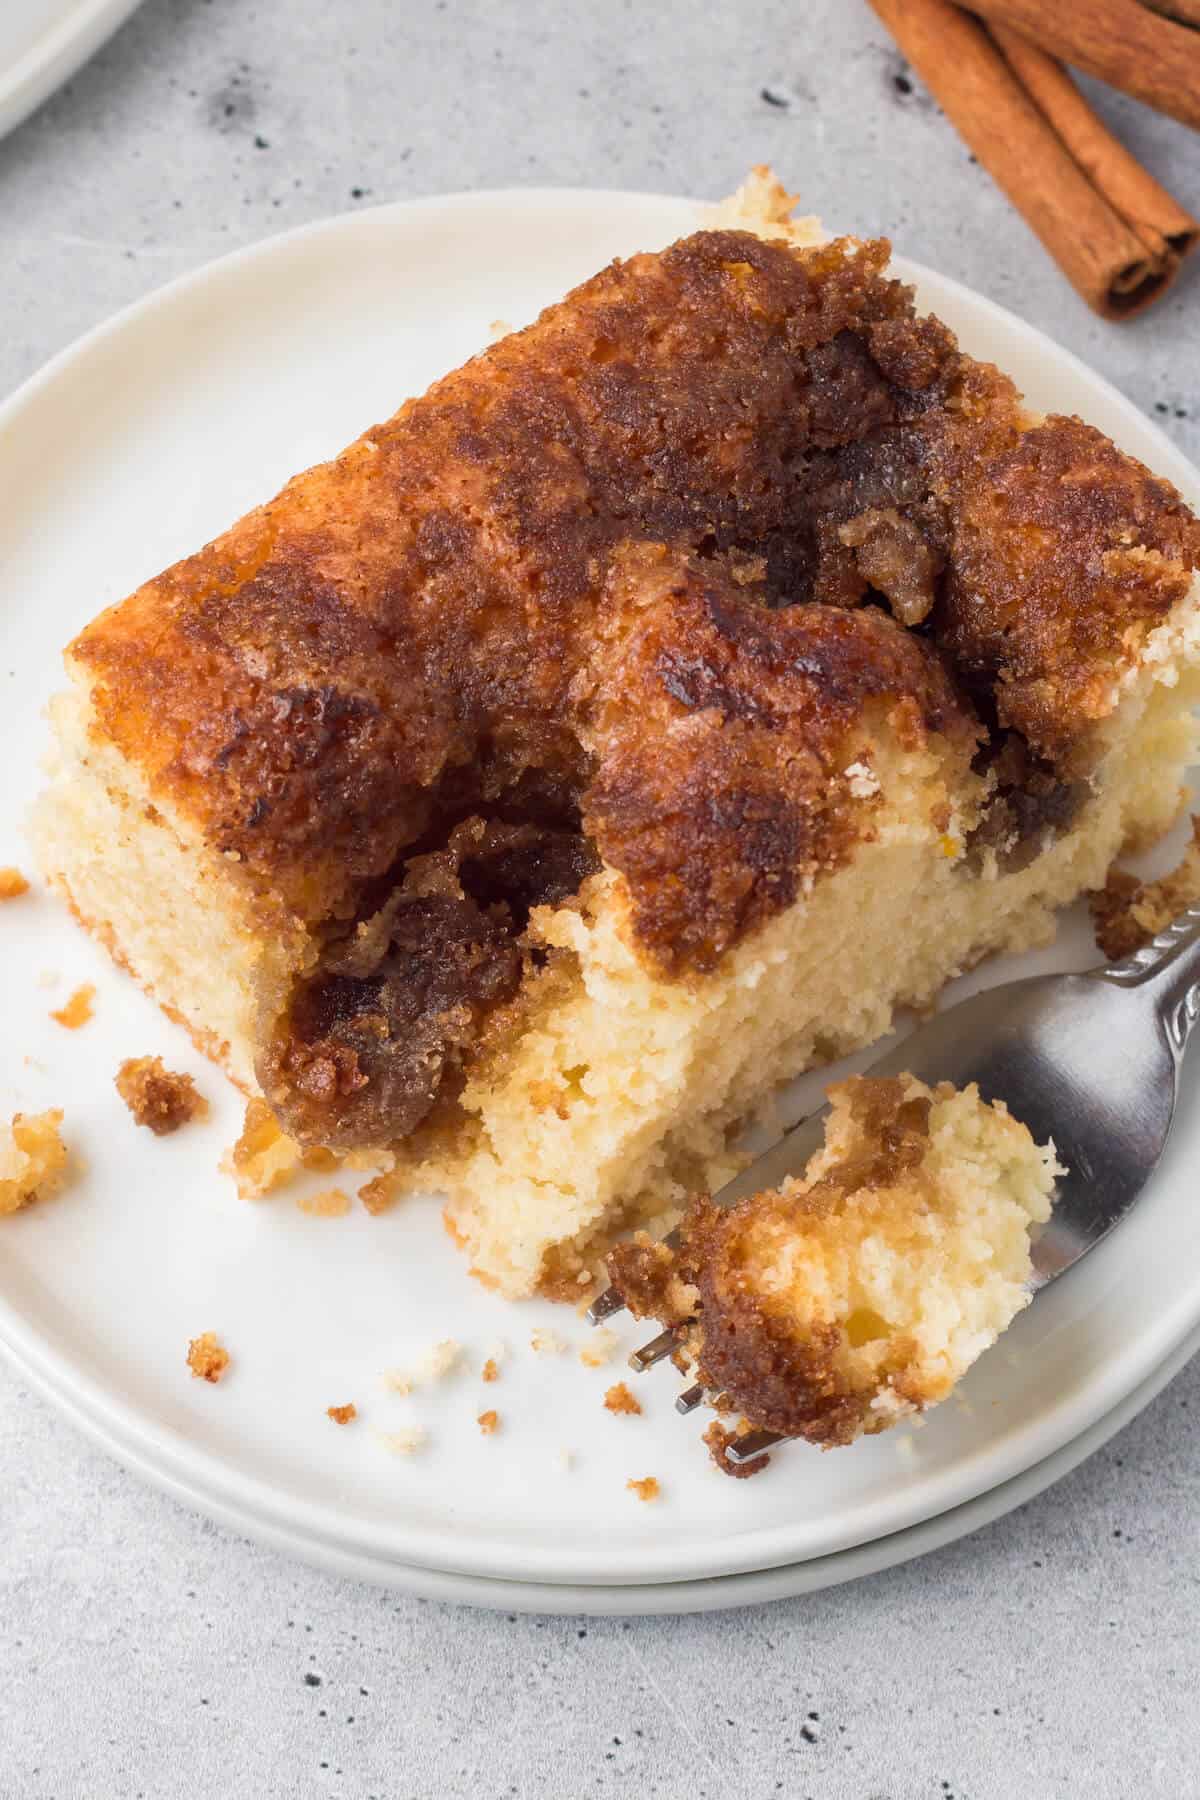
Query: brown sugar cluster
point(158, 1098)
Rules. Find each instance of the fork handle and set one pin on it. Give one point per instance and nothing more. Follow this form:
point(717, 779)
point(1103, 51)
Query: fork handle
point(1167, 972)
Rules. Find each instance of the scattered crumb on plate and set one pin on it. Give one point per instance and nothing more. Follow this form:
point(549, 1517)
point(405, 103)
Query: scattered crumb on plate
point(645, 1489)
point(499, 328)
point(1127, 913)
point(48, 978)
point(78, 1009)
point(342, 1415)
point(330, 1203)
point(158, 1097)
point(12, 884)
point(565, 1459)
point(405, 1442)
point(33, 1159)
point(440, 1360)
point(378, 1194)
point(490, 1370)
point(207, 1359)
point(599, 1348)
point(488, 1422)
point(619, 1399)
point(546, 1343)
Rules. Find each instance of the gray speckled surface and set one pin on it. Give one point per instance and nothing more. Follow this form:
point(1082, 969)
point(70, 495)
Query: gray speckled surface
point(145, 1652)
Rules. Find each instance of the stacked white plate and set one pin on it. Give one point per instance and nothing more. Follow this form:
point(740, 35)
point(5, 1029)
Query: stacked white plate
point(133, 448)
point(43, 42)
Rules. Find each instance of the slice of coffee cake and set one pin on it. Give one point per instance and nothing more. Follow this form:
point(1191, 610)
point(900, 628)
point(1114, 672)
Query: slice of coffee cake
point(634, 720)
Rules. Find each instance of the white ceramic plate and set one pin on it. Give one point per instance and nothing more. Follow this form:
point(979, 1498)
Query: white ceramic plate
point(43, 42)
point(654, 1598)
point(132, 449)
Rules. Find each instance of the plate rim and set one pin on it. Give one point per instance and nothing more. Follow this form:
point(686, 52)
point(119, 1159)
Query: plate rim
point(634, 1565)
point(716, 1593)
point(57, 55)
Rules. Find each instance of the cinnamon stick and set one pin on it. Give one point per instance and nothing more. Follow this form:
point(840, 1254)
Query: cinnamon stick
point(1186, 11)
point(1124, 43)
point(1101, 254)
point(1164, 227)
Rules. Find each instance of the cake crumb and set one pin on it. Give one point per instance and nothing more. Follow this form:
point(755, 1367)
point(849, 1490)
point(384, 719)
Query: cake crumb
point(440, 1360)
point(599, 1348)
point(330, 1203)
point(342, 1415)
point(48, 978)
point(565, 1460)
point(156, 1096)
point(646, 1488)
point(207, 1359)
point(546, 1343)
point(381, 1192)
point(490, 1370)
point(33, 1159)
point(619, 1399)
point(1127, 913)
point(78, 1009)
point(405, 1442)
point(499, 328)
point(488, 1421)
point(264, 1156)
point(12, 884)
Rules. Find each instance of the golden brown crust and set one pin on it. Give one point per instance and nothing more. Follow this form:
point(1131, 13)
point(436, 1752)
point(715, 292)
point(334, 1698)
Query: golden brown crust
point(156, 1096)
point(1064, 554)
point(417, 608)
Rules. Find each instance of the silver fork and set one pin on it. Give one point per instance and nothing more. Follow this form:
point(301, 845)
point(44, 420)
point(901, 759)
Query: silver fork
point(1089, 1060)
